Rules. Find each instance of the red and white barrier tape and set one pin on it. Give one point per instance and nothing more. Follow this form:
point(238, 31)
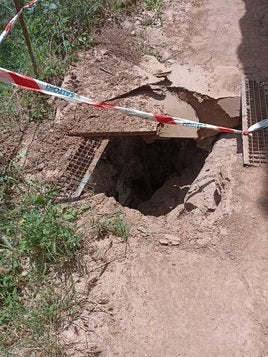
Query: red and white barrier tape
point(15, 18)
point(29, 83)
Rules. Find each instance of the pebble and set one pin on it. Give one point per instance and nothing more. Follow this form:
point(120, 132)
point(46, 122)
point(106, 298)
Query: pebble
point(175, 243)
point(163, 241)
point(173, 240)
point(41, 167)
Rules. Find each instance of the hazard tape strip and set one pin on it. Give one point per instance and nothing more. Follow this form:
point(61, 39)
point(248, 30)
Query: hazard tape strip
point(15, 18)
point(29, 83)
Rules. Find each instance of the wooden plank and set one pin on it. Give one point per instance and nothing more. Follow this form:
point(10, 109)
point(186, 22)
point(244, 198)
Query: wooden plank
point(109, 134)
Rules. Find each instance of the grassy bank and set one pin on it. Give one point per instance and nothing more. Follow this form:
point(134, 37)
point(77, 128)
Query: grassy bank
point(57, 30)
point(38, 238)
point(37, 242)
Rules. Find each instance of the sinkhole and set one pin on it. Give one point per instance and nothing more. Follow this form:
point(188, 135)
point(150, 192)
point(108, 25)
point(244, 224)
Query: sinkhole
point(152, 176)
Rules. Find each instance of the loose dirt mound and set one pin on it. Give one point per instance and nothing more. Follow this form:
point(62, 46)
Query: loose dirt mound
point(190, 284)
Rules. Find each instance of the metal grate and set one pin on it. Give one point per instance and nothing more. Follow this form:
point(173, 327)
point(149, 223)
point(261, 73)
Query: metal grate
point(81, 167)
point(254, 109)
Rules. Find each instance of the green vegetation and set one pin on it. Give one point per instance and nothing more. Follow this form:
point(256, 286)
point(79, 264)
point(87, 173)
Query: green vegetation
point(155, 5)
point(37, 240)
point(57, 30)
point(114, 224)
point(150, 51)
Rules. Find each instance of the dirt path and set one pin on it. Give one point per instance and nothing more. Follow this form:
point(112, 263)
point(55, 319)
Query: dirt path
point(195, 284)
point(192, 280)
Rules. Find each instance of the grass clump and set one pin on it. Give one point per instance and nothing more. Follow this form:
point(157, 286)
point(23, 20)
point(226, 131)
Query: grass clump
point(37, 237)
point(114, 224)
point(155, 5)
point(36, 242)
point(44, 234)
point(58, 29)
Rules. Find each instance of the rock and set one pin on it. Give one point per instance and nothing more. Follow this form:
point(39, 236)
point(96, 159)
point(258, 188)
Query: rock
point(142, 229)
point(103, 301)
point(175, 243)
point(41, 167)
point(203, 242)
point(173, 240)
point(205, 193)
point(169, 239)
point(163, 241)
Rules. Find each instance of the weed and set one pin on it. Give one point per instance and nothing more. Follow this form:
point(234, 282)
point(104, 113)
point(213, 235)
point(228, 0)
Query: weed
point(150, 51)
point(57, 30)
point(44, 235)
point(155, 5)
point(21, 108)
point(70, 214)
point(28, 324)
point(35, 238)
point(114, 224)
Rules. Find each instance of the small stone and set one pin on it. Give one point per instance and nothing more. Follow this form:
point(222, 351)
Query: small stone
point(133, 33)
point(142, 229)
point(41, 167)
point(163, 241)
point(171, 237)
point(103, 301)
point(175, 243)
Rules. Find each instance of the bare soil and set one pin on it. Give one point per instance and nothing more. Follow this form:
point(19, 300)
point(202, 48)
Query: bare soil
point(192, 280)
point(187, 283)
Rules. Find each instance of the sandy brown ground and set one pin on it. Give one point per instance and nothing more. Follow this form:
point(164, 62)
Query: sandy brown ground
point(191, 284)
point(188, 284)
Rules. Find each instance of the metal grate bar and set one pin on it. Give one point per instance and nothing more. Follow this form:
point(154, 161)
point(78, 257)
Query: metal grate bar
point(80, 168)
point(254, 109)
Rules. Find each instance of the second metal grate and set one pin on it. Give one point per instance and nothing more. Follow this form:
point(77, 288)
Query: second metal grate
point(254, 109)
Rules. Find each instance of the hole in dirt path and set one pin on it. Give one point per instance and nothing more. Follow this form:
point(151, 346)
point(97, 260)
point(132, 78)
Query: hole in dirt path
point(150, 177)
